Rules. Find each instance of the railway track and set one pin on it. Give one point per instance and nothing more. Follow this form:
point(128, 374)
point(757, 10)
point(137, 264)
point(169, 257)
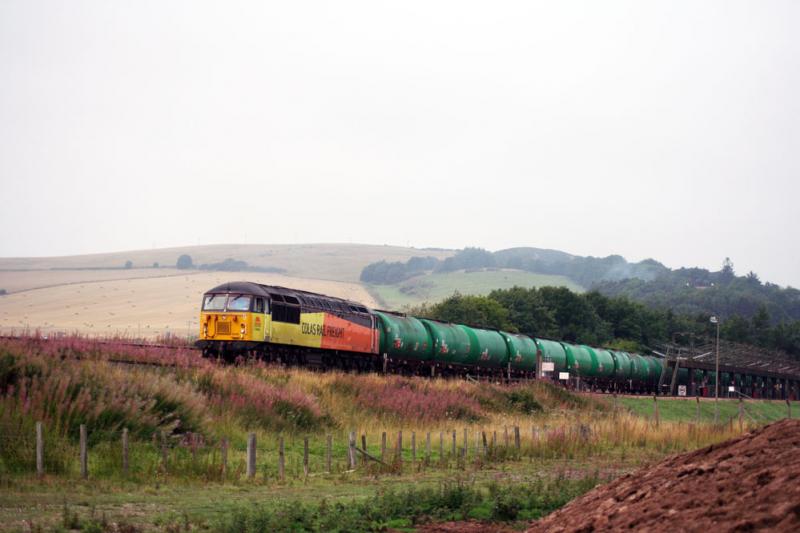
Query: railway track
point(141, 344)
point(147, 354)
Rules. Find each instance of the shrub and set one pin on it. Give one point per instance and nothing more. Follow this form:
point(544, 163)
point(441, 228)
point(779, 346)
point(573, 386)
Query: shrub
point(257, 402)
point(64, 392)
point(411, 399)
point(184, 262)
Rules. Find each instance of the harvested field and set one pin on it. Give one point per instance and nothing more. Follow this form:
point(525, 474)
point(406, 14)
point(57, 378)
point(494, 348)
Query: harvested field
point(146, 307)
point(745, 484)
point(25, 280)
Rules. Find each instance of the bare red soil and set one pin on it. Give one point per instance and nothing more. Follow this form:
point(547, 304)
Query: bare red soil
point(751, 483)
point(470, 526)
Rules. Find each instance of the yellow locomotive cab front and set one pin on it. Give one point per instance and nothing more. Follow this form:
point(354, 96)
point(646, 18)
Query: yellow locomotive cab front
point(232, 317)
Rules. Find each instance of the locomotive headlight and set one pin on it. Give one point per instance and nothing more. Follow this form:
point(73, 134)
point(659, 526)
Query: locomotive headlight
point(243, 329)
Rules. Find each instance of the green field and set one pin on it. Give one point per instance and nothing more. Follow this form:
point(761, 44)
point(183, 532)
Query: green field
point(27, 505)
point(436, 287)
point(685, 410)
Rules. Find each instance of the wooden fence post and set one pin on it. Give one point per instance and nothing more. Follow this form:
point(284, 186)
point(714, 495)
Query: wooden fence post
point(741, 415)
point(441, 446)
point(697, 409)
point(84, 453)
point(517, 442)
point(428, 448)
point(351, 449)
point(400, 448)
point(788, 408)
point(466, 443)
point(364, 447)
point(485, 451)
point(125, 451)
point(454, 443)
point(281, 460)
point(305, 456)
point(328, 452)
point(223, 450)
point(655, 410)
point(39, 450)
point(251, 455)
point(505, 437)
point(413, 448)
point(383, 446)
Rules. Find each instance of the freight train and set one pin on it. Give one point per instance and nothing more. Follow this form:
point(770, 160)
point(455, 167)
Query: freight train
point(304, 328)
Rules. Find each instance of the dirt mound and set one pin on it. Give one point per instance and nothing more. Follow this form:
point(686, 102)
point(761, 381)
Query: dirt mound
point(745, 484)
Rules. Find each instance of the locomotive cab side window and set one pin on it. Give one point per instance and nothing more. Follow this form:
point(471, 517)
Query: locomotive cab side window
point(258, 306)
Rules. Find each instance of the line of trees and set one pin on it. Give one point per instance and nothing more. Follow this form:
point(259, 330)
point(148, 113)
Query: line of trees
point(583, 270)
point(228, 265)
point(388, 273)
point(696, 290)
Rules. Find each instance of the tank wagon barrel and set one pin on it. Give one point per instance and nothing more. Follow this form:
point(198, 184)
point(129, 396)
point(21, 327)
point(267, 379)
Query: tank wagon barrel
point(522, 351)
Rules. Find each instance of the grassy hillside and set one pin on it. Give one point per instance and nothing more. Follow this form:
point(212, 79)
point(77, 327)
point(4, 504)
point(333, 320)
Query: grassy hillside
point(339, 262)
point(438, 286)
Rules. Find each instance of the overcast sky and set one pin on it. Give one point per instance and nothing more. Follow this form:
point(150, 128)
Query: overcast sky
point(648, 129)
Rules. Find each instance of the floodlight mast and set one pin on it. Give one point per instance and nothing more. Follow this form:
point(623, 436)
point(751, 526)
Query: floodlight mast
point(715, 320)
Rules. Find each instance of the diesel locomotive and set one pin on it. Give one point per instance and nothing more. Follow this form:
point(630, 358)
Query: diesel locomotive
point(304, 328)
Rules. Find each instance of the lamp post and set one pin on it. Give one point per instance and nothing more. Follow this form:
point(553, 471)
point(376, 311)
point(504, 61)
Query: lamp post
point(715, 320)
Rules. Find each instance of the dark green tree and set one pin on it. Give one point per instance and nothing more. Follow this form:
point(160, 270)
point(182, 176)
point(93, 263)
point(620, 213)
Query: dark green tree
point(527, 311)
point(760, 326)
point(736, 329)
point(727, 274)
point(474, 310)
point(576, 318)
point(467, 258)
point(184, 262)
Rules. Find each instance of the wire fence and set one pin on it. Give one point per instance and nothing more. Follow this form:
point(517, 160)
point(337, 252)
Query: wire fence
point(28, 447)
point(35, 450)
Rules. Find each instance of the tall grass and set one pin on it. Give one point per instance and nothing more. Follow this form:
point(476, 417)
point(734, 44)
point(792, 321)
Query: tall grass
point(196, 403)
